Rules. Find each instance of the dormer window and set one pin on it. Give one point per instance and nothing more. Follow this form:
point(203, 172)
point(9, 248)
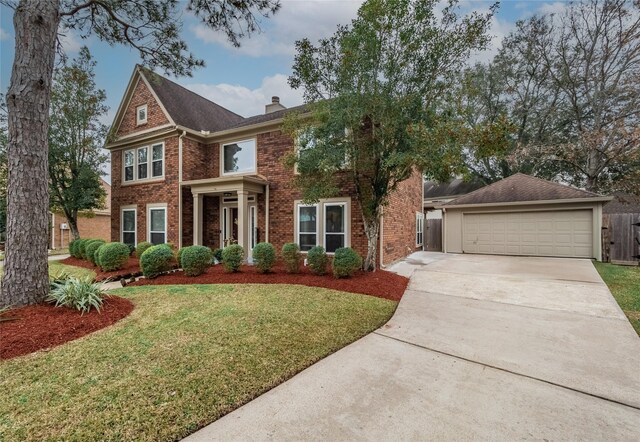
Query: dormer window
point(141, 114)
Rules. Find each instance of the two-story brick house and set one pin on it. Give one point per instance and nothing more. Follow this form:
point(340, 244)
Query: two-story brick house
point(188, 171)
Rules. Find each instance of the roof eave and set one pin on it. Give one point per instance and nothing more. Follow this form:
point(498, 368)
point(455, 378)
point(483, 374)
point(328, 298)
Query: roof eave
point(594, 199)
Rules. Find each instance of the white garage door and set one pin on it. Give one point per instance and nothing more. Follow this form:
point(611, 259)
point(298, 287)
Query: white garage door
point(566, 233)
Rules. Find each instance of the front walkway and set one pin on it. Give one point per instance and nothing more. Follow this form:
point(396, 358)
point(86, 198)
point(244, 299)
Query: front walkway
point(481, 347)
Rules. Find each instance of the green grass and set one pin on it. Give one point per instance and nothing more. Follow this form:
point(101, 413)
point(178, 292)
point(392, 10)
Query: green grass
point(184, 357)
point(624, 283)
point(55, 268)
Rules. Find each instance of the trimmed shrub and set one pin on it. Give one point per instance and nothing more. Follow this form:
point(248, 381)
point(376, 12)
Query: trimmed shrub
point(179, 256)
point(113, 256)
point(79, 294)
point(75, 251)
point(81, 248)
point(73, 244)
point(132, 249)
point(264, 257)
point(195, 260)
point(141, 248)
point(346, 262)
point(91, 248)
point(232, 257)
point(317, 260)
point(96, 255)
point(291, 257)
point(217, 254)
point(156, 260)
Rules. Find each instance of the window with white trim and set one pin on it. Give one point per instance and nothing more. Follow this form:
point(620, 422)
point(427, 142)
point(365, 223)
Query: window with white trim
point(335, 231)
point(128, 226)
point(157, 225)
point(141, 114)
point(143, 163)
point(239, 157)
point(419, 228)
point(307, 226)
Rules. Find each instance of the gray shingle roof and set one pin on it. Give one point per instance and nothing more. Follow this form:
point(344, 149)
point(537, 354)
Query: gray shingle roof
point(434, 189)
point(622, 203)
point(189, 109)
point(520, 188)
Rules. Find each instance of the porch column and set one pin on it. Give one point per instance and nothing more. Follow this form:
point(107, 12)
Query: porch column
point(197, 219)
point(243, 220)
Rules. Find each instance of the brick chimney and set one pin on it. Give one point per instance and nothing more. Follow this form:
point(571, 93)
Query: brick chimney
point(274, 105)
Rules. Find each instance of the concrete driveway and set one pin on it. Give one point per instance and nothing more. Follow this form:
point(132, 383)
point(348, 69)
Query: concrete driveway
point(481, 347)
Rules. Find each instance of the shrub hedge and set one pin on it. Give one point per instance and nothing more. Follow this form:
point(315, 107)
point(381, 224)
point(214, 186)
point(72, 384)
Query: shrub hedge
point(156, 260)
point(232, 257)
point(195, 259)
point(72, 247)
point(141, 248)
point(113, 256)
point(291, 257)
point(264, 257)
point(91, 248)
point(217, 254)
point(82, 248)
point(317, 260)
point(346, 262)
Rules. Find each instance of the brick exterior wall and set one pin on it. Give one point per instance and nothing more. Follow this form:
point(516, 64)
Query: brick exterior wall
point(155, 116)
point(202, 161)
point(97, 227)
point(399, 225)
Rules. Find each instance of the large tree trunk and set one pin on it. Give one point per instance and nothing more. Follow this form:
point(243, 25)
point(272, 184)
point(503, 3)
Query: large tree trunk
point(26, 279)
point(372, 230)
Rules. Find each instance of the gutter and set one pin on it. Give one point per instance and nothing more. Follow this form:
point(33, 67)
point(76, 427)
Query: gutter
point(527, 203)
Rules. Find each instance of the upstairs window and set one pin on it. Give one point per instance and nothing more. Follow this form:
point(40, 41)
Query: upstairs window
point(143, 163)
point(141, 114)
point(239, 157)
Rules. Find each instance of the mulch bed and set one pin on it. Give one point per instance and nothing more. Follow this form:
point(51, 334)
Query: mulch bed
point(380, 283)
point(44, 326)
point(131, 268)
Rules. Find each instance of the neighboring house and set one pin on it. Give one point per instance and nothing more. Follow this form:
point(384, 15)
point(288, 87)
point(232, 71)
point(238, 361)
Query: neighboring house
point(188, 171)
point(523, 215)
point(91, 224)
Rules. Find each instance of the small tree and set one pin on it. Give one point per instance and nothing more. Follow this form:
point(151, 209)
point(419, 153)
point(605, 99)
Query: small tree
point(369, 88)
point(75, 138)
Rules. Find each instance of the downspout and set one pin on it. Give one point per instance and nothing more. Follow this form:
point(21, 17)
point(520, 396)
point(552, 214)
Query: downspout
point(382, 266)
point(184, 132)
point(266, 215)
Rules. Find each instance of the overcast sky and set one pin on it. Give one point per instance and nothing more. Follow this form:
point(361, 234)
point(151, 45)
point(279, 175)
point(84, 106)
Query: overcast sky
point(244, 79)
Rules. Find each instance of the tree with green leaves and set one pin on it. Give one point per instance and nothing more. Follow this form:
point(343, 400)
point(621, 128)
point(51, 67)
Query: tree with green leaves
point(150, 27)
point(76, 135)
point(372, 90)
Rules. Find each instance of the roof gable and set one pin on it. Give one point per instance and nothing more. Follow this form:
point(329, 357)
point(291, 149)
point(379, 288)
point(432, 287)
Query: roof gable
point(521, 188)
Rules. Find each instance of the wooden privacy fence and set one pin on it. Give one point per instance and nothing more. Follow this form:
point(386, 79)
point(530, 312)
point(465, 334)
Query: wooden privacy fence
point(621, 238)
point(434, 235)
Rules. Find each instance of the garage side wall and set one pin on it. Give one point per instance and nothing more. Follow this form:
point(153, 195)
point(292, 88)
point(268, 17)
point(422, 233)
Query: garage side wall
point(453, 221)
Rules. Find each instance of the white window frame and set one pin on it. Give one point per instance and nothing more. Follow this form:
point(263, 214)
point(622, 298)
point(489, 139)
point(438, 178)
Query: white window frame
point(157, 206)
point(138, 164)
point(133, 209)
point(342, 204)
point(124, 166)
point(140, 122)
point(149, 163)
point(255, 155)
point(419, 228)
point(297, 221)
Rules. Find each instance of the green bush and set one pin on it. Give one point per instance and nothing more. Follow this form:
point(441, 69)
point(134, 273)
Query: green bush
point(91, 248)
point(132, 249)
point(232, 257)
point(96, 255)
point(81, 248)
point(156, 260)
point(141, 248)
point(113, 256)
point(79, 294)
point(346, 262)
point(195, 260)
point(317, 260)
point(73, 244)
point(217, 254)
point(291, 257)
point(264, 257)
point(179, 256)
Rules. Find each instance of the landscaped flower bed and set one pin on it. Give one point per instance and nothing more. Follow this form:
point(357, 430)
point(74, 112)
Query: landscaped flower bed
point(44, 326)
point(131, 268)
point(380, 283)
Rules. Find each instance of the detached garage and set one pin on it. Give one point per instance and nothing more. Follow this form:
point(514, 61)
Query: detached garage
point(527, 216)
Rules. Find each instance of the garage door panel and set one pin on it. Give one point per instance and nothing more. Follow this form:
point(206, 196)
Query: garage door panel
point(566, 233)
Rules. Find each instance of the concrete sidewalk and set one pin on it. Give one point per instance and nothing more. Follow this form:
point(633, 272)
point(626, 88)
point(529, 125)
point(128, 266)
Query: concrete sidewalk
point(481, 347)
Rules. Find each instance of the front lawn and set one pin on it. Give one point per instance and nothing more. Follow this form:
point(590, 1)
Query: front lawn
point(55, 268)
point(624, 283)
point(185, 356)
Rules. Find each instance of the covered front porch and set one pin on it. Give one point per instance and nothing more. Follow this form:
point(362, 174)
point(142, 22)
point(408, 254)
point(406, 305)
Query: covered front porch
point(229, 210)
